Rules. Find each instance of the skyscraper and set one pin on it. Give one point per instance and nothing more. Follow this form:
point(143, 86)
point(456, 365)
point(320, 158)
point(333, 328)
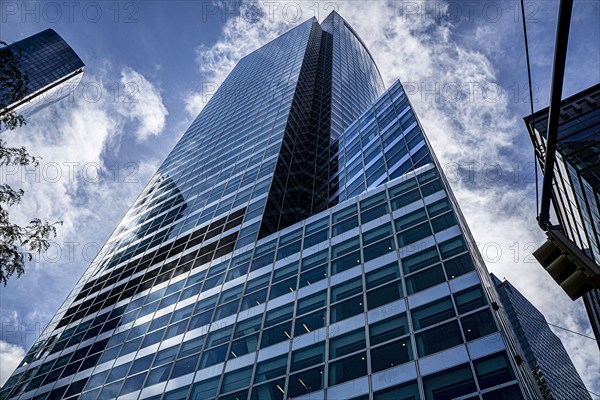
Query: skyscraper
point(544, 352)
point(37, 71)
point(576, 180)
point(299, 242)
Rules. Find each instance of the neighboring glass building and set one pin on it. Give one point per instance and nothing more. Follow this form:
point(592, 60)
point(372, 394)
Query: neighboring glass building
point(555, 373)
point(576, 183)
point(300, 242)
point(37, 71)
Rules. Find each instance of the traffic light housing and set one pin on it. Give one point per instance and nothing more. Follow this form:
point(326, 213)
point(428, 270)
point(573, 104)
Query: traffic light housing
point(568, 265)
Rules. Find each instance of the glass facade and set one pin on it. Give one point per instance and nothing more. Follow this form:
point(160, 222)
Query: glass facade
point(252, 267)
point(544, 352)
point(37, 71)
point(576, 184)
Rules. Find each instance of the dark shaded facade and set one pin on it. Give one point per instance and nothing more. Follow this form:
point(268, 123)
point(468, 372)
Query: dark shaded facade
point(37, 71)
point(300, 242)
point(554, 371)
point(576, 183)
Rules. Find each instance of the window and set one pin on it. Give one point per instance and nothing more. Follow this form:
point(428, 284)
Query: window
point(276, 334)
point(185, 366)
point(458, 266)
point(425, 279)
point(406, 391)
point(243, 346)
point(478, 324)
point(346, 262)
point(348, 368)
point(347, 343)
point(388, 329)
point(443, 222)
point(379, 249)
point(346, 289)
point(312, 302)
point(432, 313)
point(236, 380)
point(382, 275)
point(411, 219)
point(493, 370)
point(308, 357)
point(269, 391)
point(219, 336)
point(384, 295)
point(391, 354)
point(420, 260)
point(346, 309)
point(439, 338)
point(452, 247)
point(305, 382)
point(272, 368)
point(439, 207)
point(414, 234)
point(448, 384)
point(469, 299)
point(205, 389)
point(310, 322)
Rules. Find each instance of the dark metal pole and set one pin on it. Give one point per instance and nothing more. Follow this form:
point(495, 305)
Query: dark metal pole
point(558, 74)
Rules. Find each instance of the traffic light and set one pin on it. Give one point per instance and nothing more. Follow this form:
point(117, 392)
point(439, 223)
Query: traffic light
point(568, 265)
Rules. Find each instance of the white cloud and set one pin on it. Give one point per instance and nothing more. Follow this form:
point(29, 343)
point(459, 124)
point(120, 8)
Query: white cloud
point(142, 102)
point(10, 357)
point(466, 120)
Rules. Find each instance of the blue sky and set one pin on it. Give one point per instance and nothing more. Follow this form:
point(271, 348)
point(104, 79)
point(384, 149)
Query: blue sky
point(151, 66)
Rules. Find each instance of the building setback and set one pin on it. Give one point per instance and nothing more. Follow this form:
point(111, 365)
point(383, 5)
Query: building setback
point(576, 181)
point(544, 352)
point(300, 242)
point(37, 71)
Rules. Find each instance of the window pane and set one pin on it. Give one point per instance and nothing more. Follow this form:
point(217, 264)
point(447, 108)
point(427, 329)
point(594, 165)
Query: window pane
point(276, 334)
point(269, 391)
point(407, 391)
point(270, 369)
point(347, 369)
point(310, 322)
point(374, 235)
point(312, 302)
point(425, 279)
point(236, 380)
point(346, 289)
point(308, 357)
point(414, 234)
point(469, 299)
point(391, 354)
point(305, 382)
point(346, 262)
point(388, 329)
point(279, 314)
point(458, 266)
point(347, 343)
point(346, 309)
point(432, 313)
point(438, 339)
point(378, 249)
point(420, 260)
point(205, 389)
point(383, 275)
point(478, 324)
point(493, 370)
point(449, 384)
point(384, 295)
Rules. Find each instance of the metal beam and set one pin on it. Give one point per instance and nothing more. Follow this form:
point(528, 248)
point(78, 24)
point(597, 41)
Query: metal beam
point(558, 74)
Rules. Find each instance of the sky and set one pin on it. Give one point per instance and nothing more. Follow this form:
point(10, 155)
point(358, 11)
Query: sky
point(151, 66)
